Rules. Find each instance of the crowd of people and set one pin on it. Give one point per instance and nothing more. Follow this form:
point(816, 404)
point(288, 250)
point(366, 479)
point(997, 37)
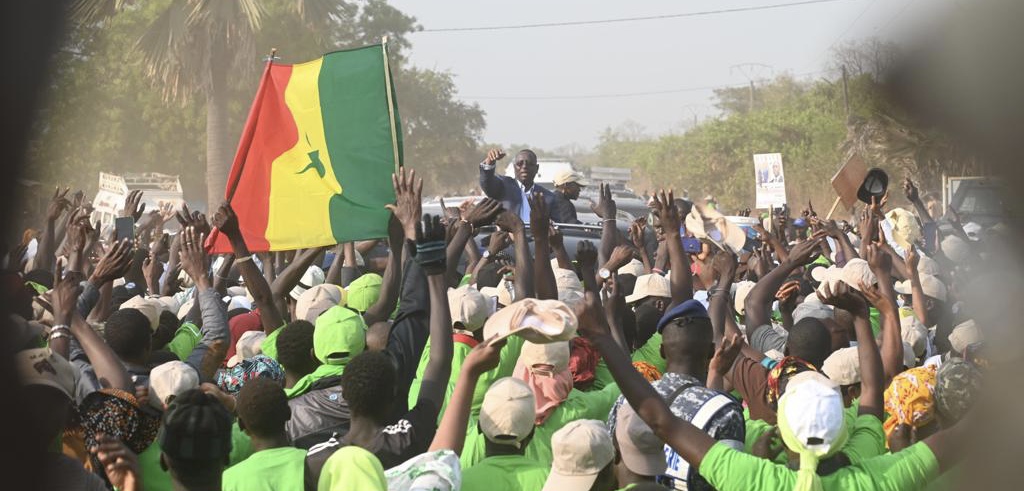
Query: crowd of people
point(819, 355)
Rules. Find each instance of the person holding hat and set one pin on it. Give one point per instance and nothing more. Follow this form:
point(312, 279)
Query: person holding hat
point(568, 184)
point(507, 424)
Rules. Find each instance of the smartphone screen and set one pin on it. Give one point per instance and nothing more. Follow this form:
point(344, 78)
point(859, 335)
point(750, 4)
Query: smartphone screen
point(692, 245)
point(124, 228)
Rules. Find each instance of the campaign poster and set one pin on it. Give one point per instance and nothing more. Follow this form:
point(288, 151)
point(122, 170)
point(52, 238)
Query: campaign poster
point(769, 180)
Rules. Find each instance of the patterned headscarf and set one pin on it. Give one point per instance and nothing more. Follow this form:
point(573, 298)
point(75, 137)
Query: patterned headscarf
point(650, 372)
point(957, 383)
point(583, 360)
point(786, 367)
point(910, 399)
point(232, 379)
point(116, 413)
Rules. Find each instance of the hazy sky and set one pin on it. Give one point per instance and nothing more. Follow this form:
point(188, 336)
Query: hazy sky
point(507, 71)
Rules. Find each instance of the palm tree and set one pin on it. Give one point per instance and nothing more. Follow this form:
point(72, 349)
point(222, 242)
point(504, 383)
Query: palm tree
point(193, 48)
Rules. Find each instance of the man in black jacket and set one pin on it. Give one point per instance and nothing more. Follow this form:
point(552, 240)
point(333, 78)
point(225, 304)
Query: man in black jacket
point(568, 185)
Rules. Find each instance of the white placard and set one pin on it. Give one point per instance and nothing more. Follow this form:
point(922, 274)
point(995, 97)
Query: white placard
point(769, 180)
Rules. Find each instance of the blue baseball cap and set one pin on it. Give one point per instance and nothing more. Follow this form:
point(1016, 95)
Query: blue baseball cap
point(690, 308)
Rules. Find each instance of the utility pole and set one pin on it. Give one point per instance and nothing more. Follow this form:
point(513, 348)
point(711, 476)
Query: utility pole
point(846, 93)
point(750, 71)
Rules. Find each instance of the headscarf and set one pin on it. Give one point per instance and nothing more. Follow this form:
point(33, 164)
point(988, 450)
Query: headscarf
point(549, 389)
point(786, 367)
point(807, 476)
point(583, 360)
point(650, 372)
point(956, 385)
point(233, 379)
point(116, 413)
point(909, 399)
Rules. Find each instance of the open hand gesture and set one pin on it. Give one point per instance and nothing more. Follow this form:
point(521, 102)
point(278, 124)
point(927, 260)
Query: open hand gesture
point(133, 205)
point(668, 214)
point(725, 354)
point(408, 200)
point(193, 257)
point(843, 297)
point(605, 206)
point(120, 464)
point(483, 213)
point(114, 264)
point(58, 203)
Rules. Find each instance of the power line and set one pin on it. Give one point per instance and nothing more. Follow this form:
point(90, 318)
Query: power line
point(615, 95)
point(627, 19)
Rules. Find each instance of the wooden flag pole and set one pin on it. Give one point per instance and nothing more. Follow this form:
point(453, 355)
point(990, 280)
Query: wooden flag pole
point(391, 102)
point(832, 210)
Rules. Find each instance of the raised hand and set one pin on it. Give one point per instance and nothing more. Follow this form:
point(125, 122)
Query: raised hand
point(540, 220)
point(874, 295)
point(880, 261)
point(586, 254)
point(510, 222)
point(408, 200)
point(668, 214)
point(494, 155)
point(912, 259)
point(787, 295)
point(724, 265)
point(224, 219)
point(805, 252)
point(636, 232)
point(591, 318)
point(499, 240)
point(555, 239)
point(726, 353)
point(67, 286)
point(193, 256)
point(430, 245)
point(843, 297)
point(119, 463)
point(483, 213)
point(58, 203)
point(114, 264)
point(828, 226)
point(485, 356)
point(910, 190)
point(133, 205)
point(605, 206)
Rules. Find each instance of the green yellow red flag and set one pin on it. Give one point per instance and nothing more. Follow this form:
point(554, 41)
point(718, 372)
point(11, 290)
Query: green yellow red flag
point(314, 162)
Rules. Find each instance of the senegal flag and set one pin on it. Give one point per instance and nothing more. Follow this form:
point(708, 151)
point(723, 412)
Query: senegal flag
point(315, 159)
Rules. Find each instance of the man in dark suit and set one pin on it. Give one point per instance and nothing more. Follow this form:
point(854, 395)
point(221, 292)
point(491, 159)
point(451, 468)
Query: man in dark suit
point(513, 192)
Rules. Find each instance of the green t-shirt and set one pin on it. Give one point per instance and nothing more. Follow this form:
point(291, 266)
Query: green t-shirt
point(267, 470)
point(269, 345)
point(185, 340)
point(579, 405)
point(509, 355)
point(157, 479)
point(866, 439)
point(911, 469)
point(506, 472)
point(651, 353)
point(602, 376)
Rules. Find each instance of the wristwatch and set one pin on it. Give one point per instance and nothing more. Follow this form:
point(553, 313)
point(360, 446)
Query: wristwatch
point(486, 254)
point(604, 273)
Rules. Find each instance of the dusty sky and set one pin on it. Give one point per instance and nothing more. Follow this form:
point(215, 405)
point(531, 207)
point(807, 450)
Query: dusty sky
point(521, 77)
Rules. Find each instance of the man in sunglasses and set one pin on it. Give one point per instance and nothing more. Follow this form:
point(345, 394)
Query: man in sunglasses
point(513, 193)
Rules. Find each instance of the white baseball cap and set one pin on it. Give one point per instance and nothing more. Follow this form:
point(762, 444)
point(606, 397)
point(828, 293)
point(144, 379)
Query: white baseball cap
point(633, 267)
point(812, 307)
point(316, 300)
point(567, 176)
point(539, 321)
point(149, 308)
point(913, 333)
point(813, 411)
point(857, 271)
point(581, 450)
point(843, 366)
point(42, 366)
point(249, 345)
point(507, 413)
point(642, 451)
point(932, 286)
point(650, 285)
point(740, 296)
point(312, 277)
point(555, 354)
point(964, 335)
point(468, 307)
point(170, 379)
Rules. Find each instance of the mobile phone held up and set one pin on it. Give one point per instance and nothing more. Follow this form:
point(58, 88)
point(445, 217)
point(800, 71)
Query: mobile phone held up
point(124, 228)
point(692, 245)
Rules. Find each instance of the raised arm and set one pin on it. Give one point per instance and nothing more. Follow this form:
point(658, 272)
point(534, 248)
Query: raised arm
point(636, 236)
point(451, 433)
point(391, 285)
point(690, 442)
point(292, 274)
point(724, 266)
point(883, 298)
point(489, 182)
point(540, 224)
point(681, 278)
point(759, 301)
point(227, 222)
point(915, 198)
point(215, 322)
point(511, 223)
point(916, 289)
point(605, 209)
point(557, 242)
point(430, 255)
point(45, 252)
point(483, 213)
point(871, 387)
